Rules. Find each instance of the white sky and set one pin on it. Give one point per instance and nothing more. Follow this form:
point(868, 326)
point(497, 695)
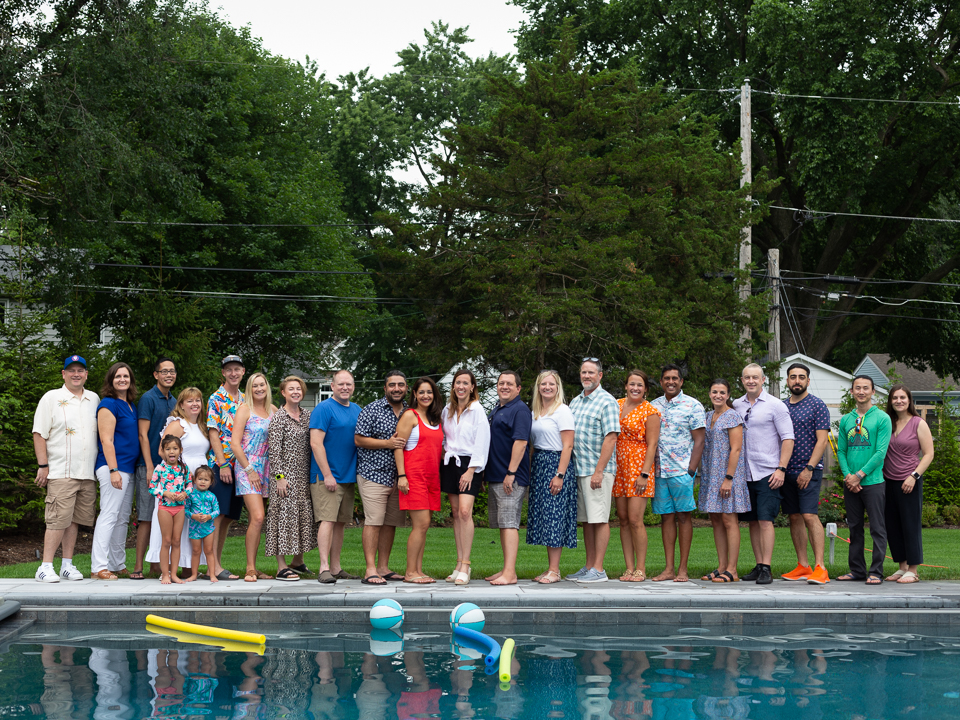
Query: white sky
point(349, 36)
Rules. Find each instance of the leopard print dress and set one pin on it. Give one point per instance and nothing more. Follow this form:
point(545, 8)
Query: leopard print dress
point(290, 529)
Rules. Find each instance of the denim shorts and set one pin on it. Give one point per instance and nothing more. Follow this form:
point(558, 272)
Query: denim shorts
point(764, 501)
point(796, 501)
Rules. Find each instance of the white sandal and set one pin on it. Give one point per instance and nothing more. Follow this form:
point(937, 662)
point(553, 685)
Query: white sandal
point(463, 578)
point(452, 577)
point(908, 578)
point(895, 577)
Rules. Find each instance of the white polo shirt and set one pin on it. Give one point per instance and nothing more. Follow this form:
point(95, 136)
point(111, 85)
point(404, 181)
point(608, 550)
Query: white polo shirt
point(69, 425)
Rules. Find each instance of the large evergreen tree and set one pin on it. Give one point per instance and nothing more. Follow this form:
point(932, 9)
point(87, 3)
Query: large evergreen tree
point(588, 216)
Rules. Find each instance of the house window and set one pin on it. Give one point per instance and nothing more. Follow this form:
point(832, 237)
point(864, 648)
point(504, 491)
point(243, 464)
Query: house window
point(325, 392)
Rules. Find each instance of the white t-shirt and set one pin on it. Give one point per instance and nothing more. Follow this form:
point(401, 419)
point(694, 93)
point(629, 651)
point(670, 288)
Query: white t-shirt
point(545, 432)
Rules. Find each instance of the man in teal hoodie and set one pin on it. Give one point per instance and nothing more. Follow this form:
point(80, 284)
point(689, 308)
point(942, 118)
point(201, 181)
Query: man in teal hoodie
point(861, 449)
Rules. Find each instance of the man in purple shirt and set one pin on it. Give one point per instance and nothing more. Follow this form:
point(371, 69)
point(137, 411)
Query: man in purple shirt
point(768, 445)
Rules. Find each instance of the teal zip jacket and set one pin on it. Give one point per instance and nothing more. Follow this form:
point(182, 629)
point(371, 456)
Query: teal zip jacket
point(864, 448)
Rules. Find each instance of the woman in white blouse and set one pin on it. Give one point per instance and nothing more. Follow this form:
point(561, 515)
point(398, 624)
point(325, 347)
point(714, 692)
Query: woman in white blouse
point(552, 513)
point(466, 442)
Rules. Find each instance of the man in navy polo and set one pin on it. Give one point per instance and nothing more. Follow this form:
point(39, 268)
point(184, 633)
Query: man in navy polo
point(154, 408)
point(508, 472)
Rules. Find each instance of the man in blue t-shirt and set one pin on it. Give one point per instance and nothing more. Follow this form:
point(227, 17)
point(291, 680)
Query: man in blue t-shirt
point(801, 485)
point(333, 472)
point(154, 408)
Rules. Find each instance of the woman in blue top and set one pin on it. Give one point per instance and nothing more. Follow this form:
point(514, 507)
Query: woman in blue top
point(119, 453)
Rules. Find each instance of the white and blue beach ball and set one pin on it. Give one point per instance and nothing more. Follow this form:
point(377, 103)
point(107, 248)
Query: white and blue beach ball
point(467, 615)
point(465, 653)
point(386, 615)
point(384, 643)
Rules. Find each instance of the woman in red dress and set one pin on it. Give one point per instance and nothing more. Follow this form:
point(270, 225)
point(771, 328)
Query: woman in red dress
point(418, 469)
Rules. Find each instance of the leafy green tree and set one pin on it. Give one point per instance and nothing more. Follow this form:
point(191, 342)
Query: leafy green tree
point(190, 165)
point(587, 216)
point(845, 156)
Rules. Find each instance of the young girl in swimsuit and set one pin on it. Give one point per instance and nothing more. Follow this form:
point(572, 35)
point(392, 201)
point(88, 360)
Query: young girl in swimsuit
point(169, 484)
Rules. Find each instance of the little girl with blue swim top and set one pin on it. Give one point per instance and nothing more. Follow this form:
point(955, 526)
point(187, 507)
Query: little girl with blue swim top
point(169, 484)
point(202, 508)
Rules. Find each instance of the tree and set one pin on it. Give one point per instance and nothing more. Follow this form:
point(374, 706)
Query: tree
point(583, 218)
point(838, 155)
point(190, 168)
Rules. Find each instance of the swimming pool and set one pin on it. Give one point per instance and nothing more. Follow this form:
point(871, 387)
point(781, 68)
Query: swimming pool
point(312, 672)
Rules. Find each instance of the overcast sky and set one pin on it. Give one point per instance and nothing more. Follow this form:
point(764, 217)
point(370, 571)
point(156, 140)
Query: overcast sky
point(349, 36)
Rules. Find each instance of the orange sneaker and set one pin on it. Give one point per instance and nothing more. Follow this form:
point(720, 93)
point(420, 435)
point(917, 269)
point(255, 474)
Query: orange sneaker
point(819, 576)
point(800, 572)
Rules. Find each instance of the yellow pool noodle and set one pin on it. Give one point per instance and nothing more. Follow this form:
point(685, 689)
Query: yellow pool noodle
point(506, 656)
point(226, 645)
point(238, 635)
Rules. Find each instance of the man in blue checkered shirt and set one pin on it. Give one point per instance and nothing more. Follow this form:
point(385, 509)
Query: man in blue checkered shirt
point(596, 418)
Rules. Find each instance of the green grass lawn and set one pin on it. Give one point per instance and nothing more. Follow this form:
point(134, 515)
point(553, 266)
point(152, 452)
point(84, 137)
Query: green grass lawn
point(941, 547)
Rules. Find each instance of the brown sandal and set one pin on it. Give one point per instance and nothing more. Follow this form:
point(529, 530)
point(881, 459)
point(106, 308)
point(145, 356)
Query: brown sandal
point(103, 575)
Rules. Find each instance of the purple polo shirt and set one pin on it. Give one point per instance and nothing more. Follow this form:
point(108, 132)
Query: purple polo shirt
point(764, 430)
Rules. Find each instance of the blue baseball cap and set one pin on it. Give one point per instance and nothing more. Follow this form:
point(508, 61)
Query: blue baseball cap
point(72, 360)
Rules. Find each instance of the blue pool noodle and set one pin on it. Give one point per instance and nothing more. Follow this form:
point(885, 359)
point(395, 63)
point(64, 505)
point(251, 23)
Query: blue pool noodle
point(479, 641)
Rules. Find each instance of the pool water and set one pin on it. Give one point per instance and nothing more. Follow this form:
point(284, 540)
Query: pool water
point(671, 674)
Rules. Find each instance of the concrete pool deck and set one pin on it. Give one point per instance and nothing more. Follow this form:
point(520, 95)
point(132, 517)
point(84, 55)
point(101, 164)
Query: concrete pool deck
point(98, 601)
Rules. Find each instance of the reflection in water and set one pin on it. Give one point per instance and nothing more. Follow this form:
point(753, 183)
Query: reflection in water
point(830, 676)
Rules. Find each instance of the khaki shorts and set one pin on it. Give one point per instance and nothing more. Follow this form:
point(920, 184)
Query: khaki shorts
point(70, 501)
point(381, 504)
point(504, 511)
point(334, 506)
point(593, 506)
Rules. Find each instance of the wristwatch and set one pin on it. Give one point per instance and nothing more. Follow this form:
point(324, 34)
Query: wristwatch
point(915, 475)
point(728, 477)
point(809, 467)
point(44, 465)
point(645, 476)
point(509, 474)
point(561, 475)
point(782, 469)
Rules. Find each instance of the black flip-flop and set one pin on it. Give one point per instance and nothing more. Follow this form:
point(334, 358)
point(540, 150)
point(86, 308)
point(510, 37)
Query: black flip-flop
point(711, 575)
point(724, 577)
point(287, 575)
point(226, 575)
point(393, 577)
point(137, 575)
point(369, 580)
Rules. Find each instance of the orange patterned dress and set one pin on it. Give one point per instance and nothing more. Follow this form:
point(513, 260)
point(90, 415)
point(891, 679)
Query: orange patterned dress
point(632, 450)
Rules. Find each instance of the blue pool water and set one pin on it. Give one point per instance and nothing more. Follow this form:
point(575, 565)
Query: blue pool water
point(597, 673)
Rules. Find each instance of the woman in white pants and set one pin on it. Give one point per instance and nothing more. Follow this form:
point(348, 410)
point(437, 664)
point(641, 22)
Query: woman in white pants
point(184, 424)
point(119, 453)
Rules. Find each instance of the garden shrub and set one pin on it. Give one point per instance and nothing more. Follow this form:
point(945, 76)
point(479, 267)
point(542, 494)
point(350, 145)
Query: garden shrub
point(930, 515)
point(951, 514)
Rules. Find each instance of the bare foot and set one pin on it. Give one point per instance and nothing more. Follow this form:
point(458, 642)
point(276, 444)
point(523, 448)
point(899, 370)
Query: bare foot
point(164, 578)
point(664, 576)
point(177, 580)
point(213, 578)
point(493, 577)
point(681, 576)
point(192, 578)
point(502, 579)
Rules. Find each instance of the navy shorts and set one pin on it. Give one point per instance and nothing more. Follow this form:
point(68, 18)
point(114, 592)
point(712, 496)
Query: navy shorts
point(796, 501)
point(764, 501)
point(231, 504)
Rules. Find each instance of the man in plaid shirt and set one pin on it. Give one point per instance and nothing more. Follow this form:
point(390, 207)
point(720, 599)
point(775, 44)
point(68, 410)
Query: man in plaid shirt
point(596, 417)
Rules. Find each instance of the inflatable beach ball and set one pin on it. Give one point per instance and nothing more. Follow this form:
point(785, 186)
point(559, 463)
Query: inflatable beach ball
point(467, 615)
point(386, 615)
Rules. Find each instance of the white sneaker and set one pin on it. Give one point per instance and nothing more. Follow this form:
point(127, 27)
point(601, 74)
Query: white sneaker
point(46, 576)
point(578, 574)
point(70, 572)
point(593, 576)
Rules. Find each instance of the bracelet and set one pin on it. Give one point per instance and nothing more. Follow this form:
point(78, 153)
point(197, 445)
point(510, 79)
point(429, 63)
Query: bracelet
point(509, 474)
point(400, 476)
point(43, 465)
point(114, 470)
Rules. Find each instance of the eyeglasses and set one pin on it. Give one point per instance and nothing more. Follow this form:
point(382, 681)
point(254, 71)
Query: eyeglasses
point(591, 359)
point(166, 372)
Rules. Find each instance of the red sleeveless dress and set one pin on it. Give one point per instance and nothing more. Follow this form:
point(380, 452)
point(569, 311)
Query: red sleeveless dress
point(422, 467)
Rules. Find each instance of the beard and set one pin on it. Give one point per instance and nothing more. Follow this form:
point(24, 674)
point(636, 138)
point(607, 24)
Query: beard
point(797, 389)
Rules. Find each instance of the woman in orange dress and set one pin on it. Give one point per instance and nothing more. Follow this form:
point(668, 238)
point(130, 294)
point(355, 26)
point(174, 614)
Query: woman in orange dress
point(633, 484)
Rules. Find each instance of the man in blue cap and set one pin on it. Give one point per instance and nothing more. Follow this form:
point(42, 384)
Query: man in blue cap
point(65, 442)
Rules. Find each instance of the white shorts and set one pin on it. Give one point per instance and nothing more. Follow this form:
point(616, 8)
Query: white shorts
point(593, 506)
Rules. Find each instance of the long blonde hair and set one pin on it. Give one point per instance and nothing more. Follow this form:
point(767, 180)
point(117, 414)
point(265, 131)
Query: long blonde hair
point(248, 393)
point(538, 409)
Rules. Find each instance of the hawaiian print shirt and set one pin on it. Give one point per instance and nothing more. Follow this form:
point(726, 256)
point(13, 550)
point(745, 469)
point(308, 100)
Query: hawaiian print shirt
point(221, 410)
point(678, 419)
point(169, 479)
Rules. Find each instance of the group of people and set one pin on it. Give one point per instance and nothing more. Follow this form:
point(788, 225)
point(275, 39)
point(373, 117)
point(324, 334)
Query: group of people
point(194, 466)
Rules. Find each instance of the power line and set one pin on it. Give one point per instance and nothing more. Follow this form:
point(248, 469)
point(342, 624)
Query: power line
point(866, 215)
point(845, 313)
point(852, 280)
point(246, 270)
point(164, 223)
point(954, 103)
point(249, 296)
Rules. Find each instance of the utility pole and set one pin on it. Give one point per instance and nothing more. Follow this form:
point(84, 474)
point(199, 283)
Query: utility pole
point(746, 158)
point(773, 327)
